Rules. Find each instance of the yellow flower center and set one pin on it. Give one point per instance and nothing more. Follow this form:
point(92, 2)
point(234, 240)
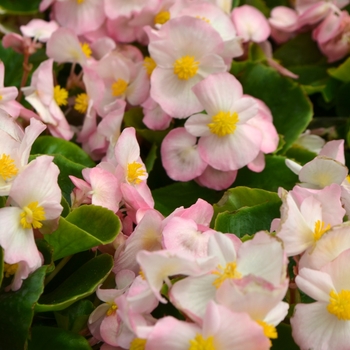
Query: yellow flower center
point(119, 87)
point(162, 17)
point(86, 48)
point(199, 343)
point(223, 123)
point(0, 97)
point(348, 178)
point(269, 330)
point(149, 64)
point(80, 1)
point(10, 269)
point(142, 274)
point(60, 95)
point(8, 168)
point(229, 271)
point(81, 103)
point(186, 67)
point(32, 215)
point(339, 304)
point(320, 230)
point(138, 344)
point(135, 171)
point(112, 309)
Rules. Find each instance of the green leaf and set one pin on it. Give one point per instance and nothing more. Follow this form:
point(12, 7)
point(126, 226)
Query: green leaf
point(82, 283)
point(249, 220)
point(133, 117)
point(151, 158)
point(299, 51)
point(56, 339)
point(85, 227)
point(74, 318)
point(46, 250)
point(259, 4)
point(168, 198)
point(53, 146)
point(19, 7)
point(240, 196)
point(300, 154)
point(244, 210)
point(276, 174)
point(13, 62)
point(66, 208)
point(290, 107)
point(342, 72)
point(17, 311)
point(285, 340)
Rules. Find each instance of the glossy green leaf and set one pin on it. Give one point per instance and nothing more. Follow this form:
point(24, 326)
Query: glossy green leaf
point(46, 250)
point(80, 284)
point(1, 265)
point(85, 227)
point(54, 145)
point(285, 340)
point(13, 62)
point(133, 117)
point(276, 174)
point(239, 197)
point(168, 198)
point(290, 107)
point(66, 208)
point(74, 318)
point(259, 4)
point(249, 220)
point(43, 338)
point(151, 158)
point(342, 72)
point(19, 7)
point(17, 311)
point(300, 154)
point(301, 50)
point(244, 210)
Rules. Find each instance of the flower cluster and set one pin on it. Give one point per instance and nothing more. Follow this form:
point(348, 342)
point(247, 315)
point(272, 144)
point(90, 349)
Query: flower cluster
point(129, 88)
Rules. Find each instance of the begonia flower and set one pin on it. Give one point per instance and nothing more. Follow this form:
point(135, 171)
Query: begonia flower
point(324, 324)
point(34, 203)
point(227, 141)
point(183, 57)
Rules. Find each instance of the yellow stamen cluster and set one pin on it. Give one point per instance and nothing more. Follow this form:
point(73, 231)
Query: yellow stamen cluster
point(10, 269)
point(142, 274)
point(135, 171)
point(8, 168)
point(86, 49)
point(138, 344)
point(60, 95)
point(81, 103)
point(149, 64)
point(119, 87)
point(320, 230)
point(112, 309)
point(229, 271)
point(186, 67)
point(162, 17)
point(269, 330)
point(32, 215)
point(1, 97)
point(223, 123)
point(199, 343)
point(80, 1)
point(339, 304)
